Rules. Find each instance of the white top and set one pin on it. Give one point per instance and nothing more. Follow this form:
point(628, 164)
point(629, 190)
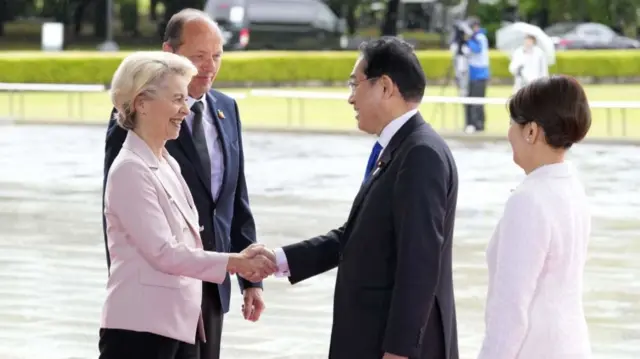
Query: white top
point(534, 66)
point(385, 137)
point(536, 261)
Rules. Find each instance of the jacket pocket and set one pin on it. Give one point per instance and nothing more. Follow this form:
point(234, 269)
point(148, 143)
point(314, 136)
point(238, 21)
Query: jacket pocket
point(159, 279)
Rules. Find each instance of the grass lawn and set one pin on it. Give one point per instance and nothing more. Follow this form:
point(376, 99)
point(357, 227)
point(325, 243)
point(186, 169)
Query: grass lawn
point(322, 114)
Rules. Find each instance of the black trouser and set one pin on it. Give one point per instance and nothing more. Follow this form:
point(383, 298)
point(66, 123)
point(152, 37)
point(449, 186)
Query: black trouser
point(212, 316)
point(474, 114)
point(129, 344)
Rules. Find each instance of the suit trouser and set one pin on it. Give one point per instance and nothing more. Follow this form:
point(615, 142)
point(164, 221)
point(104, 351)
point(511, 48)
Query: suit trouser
point(212, 317)
point(129, 344)
point(474, 114)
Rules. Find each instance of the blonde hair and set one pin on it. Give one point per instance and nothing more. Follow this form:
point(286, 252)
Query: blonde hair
point(140, 74)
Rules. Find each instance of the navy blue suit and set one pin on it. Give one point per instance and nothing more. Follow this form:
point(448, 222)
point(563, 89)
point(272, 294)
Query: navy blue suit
point(228, 222)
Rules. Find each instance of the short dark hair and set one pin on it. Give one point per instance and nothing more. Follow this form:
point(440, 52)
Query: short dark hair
point(395, 58)
point(558, 104)
point(173, 31)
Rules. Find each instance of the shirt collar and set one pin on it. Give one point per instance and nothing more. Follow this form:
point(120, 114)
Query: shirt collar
point(191, 101)
point(561, 169)
point(390, 129)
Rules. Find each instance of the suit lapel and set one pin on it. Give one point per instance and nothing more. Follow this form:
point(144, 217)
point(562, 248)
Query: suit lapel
point(136, 145)
point(366, 186)
point(182, 202)
point(222, 135)
point(382, 164)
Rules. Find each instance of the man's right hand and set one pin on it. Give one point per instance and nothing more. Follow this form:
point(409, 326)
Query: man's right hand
point(254, 263)
point(260, 249)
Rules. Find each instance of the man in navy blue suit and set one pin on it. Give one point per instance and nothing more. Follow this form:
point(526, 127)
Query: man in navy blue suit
point(209, 151)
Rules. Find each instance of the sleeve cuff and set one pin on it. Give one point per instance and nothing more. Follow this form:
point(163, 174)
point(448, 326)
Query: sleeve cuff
point(281, 262)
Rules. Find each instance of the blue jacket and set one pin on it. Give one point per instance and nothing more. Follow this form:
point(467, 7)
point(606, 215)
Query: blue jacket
point(479, 57)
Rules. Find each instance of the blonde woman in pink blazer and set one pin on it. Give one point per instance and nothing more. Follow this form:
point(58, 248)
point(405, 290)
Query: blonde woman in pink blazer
point(152, 309)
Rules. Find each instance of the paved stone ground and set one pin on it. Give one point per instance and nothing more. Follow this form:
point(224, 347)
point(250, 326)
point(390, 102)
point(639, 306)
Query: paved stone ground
point(52, 265)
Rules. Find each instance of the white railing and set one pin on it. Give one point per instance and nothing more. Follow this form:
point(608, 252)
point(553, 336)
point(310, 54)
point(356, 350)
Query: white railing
point(11, 87)
point(317, 95)
point(74, 94)
point(290, 95)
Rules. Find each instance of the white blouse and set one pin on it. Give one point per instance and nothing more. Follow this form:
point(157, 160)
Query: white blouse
point(536, 261)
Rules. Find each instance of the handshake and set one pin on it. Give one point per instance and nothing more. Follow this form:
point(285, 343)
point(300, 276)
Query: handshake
point(254, 263)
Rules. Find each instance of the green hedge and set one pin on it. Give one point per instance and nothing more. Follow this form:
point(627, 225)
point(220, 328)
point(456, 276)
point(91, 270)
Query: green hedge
point(270, 67)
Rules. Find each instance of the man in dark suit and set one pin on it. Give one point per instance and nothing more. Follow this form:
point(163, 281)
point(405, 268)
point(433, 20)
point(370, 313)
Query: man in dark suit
point(209, 151)
point(394, 289)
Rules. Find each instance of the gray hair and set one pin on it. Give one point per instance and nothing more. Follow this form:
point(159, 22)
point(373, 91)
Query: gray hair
point(173, 31)
point(140, 74)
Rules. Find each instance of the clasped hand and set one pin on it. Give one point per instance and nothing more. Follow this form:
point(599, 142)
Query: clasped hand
point(254, 263)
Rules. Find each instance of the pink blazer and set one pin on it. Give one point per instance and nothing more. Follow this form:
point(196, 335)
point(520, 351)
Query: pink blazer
point(157, 260)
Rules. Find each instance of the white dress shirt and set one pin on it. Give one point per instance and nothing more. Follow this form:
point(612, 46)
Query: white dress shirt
point(536, 261)
point(213, 144)
point(385, 137)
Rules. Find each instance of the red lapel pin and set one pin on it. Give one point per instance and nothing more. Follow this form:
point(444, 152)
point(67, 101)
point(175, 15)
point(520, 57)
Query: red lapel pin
point(221, 114)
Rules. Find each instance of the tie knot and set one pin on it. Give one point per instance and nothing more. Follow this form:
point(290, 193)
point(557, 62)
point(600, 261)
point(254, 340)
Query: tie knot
point(197, 107)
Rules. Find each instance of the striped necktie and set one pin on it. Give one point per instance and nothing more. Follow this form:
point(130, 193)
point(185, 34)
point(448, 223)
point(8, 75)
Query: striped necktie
point(199, 139)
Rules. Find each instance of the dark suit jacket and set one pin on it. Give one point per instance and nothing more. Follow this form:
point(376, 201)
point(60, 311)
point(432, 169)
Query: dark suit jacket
point(233, 228)
point(394, 287)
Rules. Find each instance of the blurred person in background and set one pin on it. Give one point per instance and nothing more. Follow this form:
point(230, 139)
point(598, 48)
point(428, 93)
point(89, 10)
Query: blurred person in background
point(479, 74)
point(154, 291)
point(460, 64)
point(210, 154)
point(537, 254)
point(528, 63)
point(394, 294)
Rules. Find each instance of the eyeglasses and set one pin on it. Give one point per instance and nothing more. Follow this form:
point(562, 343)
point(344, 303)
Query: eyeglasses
point(353, 84)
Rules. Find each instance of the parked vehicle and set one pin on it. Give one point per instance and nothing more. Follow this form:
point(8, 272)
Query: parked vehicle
point(278, 24)
point(585, 36)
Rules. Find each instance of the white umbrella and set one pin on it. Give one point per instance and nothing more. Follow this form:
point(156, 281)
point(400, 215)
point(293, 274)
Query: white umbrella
point(512, 36)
